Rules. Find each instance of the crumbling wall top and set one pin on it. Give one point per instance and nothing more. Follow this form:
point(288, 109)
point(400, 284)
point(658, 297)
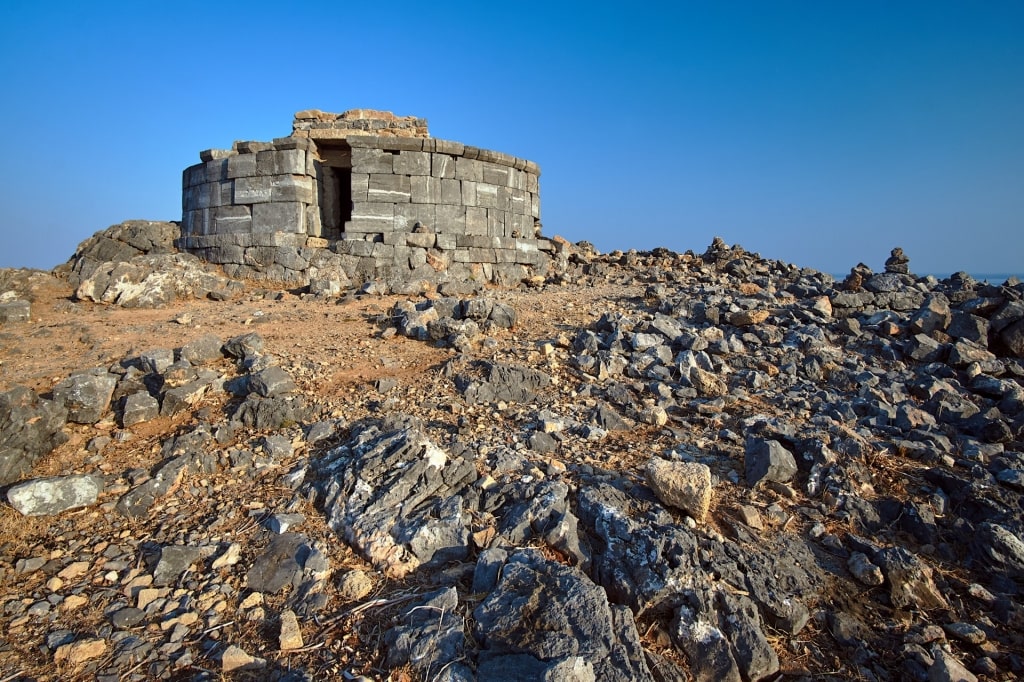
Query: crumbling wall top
point(322, 125)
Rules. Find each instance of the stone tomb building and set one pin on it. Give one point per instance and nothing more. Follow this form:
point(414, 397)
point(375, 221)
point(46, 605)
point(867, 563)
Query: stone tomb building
point(364, 195)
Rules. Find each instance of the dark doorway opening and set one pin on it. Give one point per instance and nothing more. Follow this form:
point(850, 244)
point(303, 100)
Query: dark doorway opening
point(335, 190)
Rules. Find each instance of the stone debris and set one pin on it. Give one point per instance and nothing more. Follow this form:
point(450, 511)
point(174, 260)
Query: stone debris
point(728, 468)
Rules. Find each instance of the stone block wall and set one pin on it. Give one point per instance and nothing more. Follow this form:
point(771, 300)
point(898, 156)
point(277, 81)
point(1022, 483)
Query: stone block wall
point(407, 205)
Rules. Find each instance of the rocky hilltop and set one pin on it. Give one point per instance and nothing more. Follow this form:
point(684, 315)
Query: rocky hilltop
point(642, 466)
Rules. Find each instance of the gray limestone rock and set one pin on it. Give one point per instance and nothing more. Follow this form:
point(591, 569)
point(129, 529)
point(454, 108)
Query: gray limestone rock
point(174, 560)
point(153, 281)
point(30, 427)
point(244, 346)
point(706, 647)
point(15, 311)
point(430, 636)
point(270, 382)
point(539, 510)
point(1013, 337)
point(120, 242)
point(281, 564)
point(48, 496)
point(182, 398)
point(578, 620)
point(268, 413)
point(503, 382)
point(392, 496)
point(768, 460)
point(935, 315)
point(156, 360)
point(488, 569)
point(608, 419)
point(863, 570)
point(202, 351)
point(502, 316)
point(1000, 549)
point(139, 407)
point(947, 668)
point(136, 502)
point(85, 395)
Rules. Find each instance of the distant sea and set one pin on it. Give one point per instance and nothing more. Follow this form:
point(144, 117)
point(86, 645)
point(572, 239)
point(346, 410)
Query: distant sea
point(990, 277)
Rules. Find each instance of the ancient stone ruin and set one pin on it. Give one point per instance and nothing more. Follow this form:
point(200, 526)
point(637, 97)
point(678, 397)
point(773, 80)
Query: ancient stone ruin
point(367, 195)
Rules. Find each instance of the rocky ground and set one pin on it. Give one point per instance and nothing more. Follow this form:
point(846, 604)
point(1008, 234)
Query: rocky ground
point(644, 466)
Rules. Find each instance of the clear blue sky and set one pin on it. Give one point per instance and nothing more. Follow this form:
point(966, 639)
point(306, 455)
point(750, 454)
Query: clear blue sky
point(821, 133)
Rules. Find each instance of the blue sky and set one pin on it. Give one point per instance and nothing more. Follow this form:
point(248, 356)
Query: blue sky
point(821, 133)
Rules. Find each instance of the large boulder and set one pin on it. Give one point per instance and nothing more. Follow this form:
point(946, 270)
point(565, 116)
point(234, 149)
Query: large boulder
point(155, 280)
point(119, 243)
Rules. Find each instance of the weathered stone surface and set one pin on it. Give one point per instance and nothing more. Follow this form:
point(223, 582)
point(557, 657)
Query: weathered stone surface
point(15, 311)
point(270, 382)
point(290, 635)
point(706, 383)
point(430, 637)
point(746, 318)
point(503, 382)
point(174, 560)
point(280, 565)
point(244, 346)
point(1000, 549)
point(201, 351)
point(48, 496)
point(578, 620)
point(80, 651)
point(355, 585)
point(391, 495)
point(910, 580)
point(684, 485)
point(154, 281)
point(139, 407)
point(137, 502)
point(30, 427)
point(118, 243)
point(863, 570)
point(235, 658)
point(947, 668)
point(86, 396)
point(1013, 337)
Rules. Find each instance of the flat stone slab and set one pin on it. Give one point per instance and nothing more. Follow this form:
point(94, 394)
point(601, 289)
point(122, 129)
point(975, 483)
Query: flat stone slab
point(53, 495)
